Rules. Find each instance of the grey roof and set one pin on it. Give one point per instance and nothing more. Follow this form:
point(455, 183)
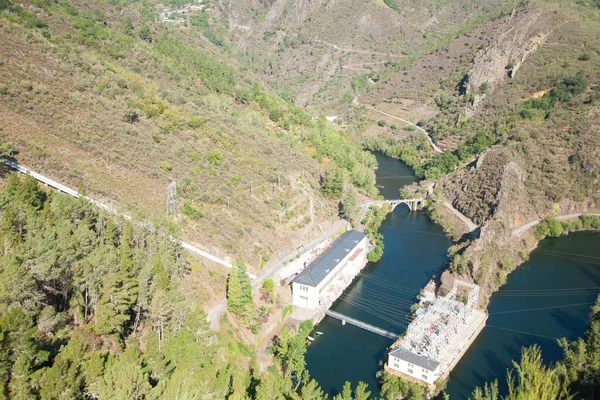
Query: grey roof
point(318, 270)
point(407, 355)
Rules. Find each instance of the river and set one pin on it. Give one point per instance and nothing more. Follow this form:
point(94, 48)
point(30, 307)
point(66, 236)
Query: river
point(414, 250)
point(542, 300)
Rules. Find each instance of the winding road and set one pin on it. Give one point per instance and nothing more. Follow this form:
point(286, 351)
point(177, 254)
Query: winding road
point(520, 230)
point(431, 143)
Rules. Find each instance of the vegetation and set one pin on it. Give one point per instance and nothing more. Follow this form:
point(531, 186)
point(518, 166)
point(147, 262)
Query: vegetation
point(394, 387)
point(575, 377)
point(92, 307)
point(551, 227)
point(372, 222)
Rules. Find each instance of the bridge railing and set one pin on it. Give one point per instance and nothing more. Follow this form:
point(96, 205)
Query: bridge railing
point(362, 325)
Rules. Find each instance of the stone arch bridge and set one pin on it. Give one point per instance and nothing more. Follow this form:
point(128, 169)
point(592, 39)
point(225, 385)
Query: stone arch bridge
point(413, 204)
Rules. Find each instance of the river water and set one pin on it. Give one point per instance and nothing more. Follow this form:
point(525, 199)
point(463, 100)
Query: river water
point(545, 298)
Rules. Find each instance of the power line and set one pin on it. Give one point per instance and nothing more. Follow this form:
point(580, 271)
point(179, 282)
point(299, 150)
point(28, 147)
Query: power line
point(413, 230)
point(401, 290)
point(569, 254)
point(523, 332)
point(383, 318)
point(374, 312)
point(550, 290)
point(384, 295)
point(572, 258)
point(542, 308)
point(547, 294)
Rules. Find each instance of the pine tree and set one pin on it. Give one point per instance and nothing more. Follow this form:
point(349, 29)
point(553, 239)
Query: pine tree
point(362, 391)
point(310, 389)
point(348, 207)
point(332, 185)
point(113, 308)
point(346, 392)
point(234, 290)
point(245, 283)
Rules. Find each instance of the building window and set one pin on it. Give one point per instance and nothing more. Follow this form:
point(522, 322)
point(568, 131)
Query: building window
point(304, 288)
point(410, 365)
point(396, 366)
point(423, 370)
point(424, 377)
point(410, 371)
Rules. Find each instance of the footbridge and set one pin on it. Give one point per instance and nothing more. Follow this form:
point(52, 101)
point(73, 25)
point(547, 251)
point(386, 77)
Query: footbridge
point(362, 325)
point(413, 204)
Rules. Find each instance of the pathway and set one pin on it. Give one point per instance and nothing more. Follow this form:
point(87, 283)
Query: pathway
point(471, 226)
point(431, 143)
point(519, 231)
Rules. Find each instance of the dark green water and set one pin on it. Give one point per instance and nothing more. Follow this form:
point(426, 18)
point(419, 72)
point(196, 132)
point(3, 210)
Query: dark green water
point(391, 176)
point(544, 299)
point(557, 286)
point(415, 249)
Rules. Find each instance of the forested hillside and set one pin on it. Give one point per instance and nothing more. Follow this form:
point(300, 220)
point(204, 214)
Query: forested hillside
point(107, 97)
point(93, 307)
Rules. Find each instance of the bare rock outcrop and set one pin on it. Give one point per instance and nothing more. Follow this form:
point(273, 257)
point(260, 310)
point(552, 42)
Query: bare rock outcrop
point(493, 193)
point(522, 34)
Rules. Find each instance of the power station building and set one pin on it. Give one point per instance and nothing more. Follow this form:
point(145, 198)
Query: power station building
point(324, 279)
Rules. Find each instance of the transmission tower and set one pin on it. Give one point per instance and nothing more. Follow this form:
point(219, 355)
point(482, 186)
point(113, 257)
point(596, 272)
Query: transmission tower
point(172, 205)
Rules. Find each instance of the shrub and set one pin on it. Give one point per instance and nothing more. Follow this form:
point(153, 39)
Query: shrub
point(196, 122)
point(145, 33)
point(5, 5)
point(166, 166)
point(131, 117)
point(381, 123)
point(27, 85)
point(584, 57)
point(214, 158)
point(192, 211)
point(590, 222)
point(410, 128)
point(3, 89)
point(548, 227)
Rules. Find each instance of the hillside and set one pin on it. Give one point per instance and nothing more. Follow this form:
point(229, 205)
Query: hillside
point(319, 52)
point(514, 105)
point(107, 98)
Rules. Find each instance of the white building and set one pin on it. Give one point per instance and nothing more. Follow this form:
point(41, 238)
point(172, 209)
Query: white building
point(319, 284)
point(442, 331)
point(413, 365)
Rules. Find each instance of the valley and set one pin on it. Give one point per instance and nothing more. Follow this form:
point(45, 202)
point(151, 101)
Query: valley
point(195, 159)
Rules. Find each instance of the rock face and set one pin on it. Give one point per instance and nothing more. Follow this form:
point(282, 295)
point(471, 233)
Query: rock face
point(522, 34)
point(481, 191)
point(493, 193)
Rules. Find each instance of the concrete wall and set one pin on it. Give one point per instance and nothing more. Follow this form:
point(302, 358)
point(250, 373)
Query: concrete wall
point(304, 296)
point(308, 297)
point(411, 370)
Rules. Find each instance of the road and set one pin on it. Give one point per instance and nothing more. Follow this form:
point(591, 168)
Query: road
point(467, 221)
point(520, 230)
point(215, 313)
point(431, 143)
point(65, 189)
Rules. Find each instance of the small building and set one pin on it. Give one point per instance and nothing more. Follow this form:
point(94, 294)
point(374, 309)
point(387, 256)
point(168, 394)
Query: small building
point(439, 335)
point(413, 365)
point(319, 283)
